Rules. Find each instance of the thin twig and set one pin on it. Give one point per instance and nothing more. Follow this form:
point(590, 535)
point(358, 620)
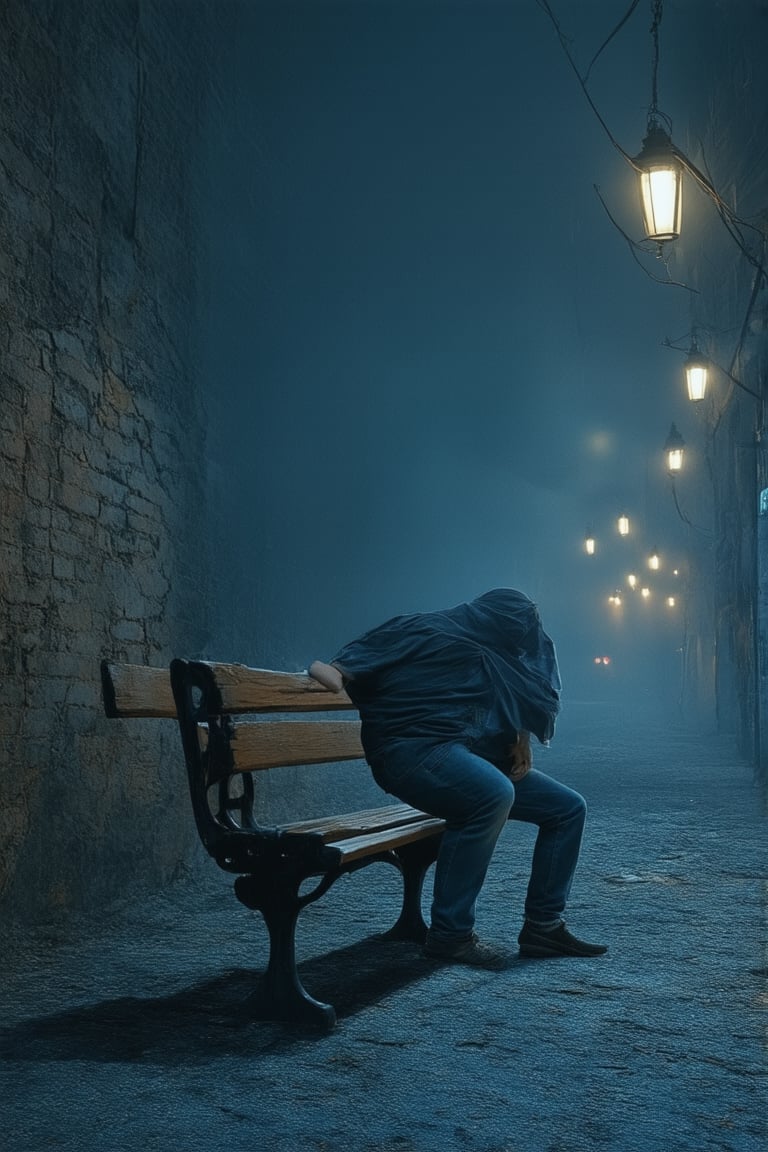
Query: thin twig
point(634, 248)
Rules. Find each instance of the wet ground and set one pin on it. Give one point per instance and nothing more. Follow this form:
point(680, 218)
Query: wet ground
point(127, 1033)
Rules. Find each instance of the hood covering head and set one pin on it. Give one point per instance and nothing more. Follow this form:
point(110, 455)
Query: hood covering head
point(519, 654)
point(502, 627)
point(503, 620)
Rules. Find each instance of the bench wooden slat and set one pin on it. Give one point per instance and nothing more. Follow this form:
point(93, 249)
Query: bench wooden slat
point(279, 743)
point(133, 690)
point(244, 689)
point(358, 846)
point(358, 823)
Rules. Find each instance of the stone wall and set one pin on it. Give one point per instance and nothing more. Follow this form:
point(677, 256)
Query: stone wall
point(100, 426)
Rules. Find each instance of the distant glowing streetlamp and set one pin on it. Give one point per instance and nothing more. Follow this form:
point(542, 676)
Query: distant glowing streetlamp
point(661, 185)
point(623, 525)
point(671, 601)
point(615, 599)
point(632, 581)
point(654, 560)
point(645, 593)
point(696, 372)
point(674, 448)
point(589, 543)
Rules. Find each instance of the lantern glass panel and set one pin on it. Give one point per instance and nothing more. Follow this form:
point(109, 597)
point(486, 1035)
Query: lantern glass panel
point(696, 376)
point(675, 459)
point(661, 188)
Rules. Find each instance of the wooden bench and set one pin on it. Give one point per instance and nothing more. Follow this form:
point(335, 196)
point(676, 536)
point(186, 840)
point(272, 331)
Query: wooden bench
point(224, 753)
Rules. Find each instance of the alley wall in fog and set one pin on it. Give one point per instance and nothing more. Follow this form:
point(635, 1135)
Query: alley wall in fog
point(100, 449)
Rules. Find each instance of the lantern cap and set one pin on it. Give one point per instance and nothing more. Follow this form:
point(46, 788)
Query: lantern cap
point(657, 149)
point(674, 441)
point(695, 357)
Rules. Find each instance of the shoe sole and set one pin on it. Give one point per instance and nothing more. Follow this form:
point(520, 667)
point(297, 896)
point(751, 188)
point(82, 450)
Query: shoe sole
point(533, 950)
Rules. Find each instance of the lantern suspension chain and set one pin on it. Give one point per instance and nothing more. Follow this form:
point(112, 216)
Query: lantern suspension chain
point(653, 111)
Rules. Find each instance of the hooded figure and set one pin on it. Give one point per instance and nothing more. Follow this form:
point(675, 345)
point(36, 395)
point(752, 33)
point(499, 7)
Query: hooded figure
point(440, 674)
point(447, 701)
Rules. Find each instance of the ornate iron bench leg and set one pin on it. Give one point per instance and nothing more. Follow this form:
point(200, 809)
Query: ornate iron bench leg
point(281, 995)
point(413, 861)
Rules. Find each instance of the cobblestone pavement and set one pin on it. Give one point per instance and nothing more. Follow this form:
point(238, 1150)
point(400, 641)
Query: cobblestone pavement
point(127, 1035)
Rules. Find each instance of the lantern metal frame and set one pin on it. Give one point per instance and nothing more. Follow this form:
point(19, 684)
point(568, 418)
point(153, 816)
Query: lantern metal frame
point(661, 185)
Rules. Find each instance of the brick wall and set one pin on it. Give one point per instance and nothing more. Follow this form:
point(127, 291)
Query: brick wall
point(100, 433)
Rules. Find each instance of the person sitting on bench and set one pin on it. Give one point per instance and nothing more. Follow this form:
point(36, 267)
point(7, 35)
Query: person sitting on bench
point(447, 701)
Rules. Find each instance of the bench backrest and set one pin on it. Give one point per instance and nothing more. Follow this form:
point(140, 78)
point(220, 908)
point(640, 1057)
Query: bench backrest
point(223, 752)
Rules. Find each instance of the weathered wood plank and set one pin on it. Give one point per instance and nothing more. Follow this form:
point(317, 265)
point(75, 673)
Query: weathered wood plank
point(279, 743)
point(135, 690)
point(245, 689)
point(357, 846)
point(358, 823)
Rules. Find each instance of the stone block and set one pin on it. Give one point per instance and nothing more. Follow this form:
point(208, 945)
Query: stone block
point(117, 394)
point(145, 508)
point(128, 630)
point(66, 341)
point(11, 475)
point(71, 406)
point(144, 526)
point(63, 568)
point(37, 486)
point(38, 565)
point(86, 374)
point(66, 542)
point(77, 500)
point(34, 536)
point(76, 616)
point(39, 514)
point(24, 348)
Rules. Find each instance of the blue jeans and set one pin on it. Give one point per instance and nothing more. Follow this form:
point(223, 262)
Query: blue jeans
point(476, 799)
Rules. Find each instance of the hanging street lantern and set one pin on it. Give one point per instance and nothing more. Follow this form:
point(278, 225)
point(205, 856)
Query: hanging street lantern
point(671, 601)
point(654, 560)
point(623, 525)
point(589, 543)
point(645, 593)
point(696, 372)
point(674, 448)
point(632, 581)
point(661, 185)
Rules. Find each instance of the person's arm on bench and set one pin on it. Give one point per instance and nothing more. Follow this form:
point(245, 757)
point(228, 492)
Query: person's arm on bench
point(328, 675)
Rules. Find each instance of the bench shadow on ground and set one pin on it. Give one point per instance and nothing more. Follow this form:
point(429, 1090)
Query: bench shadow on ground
point(203, 1021)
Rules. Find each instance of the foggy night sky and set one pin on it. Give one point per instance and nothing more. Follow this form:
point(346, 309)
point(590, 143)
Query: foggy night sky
point(432, 359)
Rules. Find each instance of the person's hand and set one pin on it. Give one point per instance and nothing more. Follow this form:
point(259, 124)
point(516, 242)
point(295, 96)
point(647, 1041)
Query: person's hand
point(520, 758)
point(327, 674)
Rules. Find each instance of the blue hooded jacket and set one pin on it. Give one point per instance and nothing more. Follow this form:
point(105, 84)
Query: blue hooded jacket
point(437, 675)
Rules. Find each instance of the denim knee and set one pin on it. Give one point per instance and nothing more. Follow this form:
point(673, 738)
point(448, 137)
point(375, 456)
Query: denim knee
point(497, 799)
point(580, 806)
